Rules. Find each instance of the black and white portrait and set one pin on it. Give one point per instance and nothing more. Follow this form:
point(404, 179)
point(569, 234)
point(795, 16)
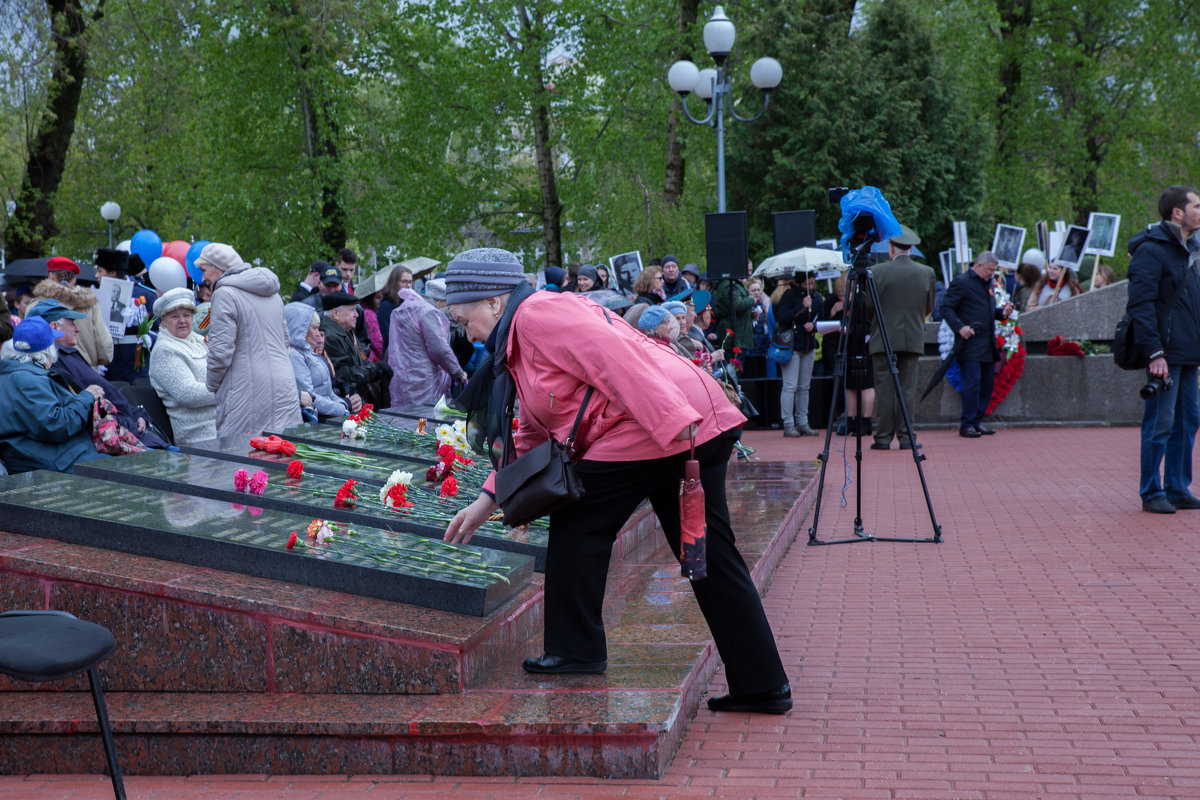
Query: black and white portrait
point(1074, 245)
point(1007, 244)
point(1103, 241)
point(625, 269)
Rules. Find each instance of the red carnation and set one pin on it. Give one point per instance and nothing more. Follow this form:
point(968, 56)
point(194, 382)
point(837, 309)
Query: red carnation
point(737, 350)
point(295, 469)
point(449, 487)
point(292, 540)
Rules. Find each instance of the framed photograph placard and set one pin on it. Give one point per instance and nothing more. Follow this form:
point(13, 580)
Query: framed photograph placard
point(625, 269)
point(947, 261)
point(1073, 246)
point(1007, 244)
point(1104, 227)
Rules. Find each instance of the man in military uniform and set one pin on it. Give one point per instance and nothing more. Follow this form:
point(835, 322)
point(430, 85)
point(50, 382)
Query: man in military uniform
point(906, 293)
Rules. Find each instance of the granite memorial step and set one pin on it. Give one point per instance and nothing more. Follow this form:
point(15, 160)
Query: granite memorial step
point(624, 724)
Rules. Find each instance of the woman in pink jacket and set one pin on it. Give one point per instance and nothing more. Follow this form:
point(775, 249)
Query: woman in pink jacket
point(635, 435)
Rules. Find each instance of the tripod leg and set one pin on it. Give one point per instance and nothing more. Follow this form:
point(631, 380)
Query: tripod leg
point(839, 387)
point(918, 456)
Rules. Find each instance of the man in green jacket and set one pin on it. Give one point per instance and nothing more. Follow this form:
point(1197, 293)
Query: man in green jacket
point(906, 292)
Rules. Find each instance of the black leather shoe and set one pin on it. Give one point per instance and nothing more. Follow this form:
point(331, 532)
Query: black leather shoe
point(776, 701)
point(1187, 501)
point(906, 447)
point(969, 433)
point(1159, 505)
point(880, 446)
point(557, 665)
point(984, 431)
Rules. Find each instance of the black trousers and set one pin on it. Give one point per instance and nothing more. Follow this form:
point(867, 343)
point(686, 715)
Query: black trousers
point(581, 540)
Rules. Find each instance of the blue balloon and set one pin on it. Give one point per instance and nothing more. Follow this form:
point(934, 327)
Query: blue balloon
point(192, 254)
point(146, 245)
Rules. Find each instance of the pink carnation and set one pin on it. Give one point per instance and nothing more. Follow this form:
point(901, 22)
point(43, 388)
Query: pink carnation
point(240, 480)
point(258, 482)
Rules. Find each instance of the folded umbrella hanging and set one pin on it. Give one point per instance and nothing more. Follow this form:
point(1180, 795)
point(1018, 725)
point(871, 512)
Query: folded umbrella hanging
point(946, 362)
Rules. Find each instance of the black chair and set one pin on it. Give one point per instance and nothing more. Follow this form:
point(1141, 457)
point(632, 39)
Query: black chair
point(38, 646)
point(141, 393)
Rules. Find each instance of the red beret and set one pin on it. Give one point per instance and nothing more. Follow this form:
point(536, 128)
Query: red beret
point(62, 263)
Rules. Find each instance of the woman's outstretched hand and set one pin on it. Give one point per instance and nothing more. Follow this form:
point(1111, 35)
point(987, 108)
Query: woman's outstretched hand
point(467, 521)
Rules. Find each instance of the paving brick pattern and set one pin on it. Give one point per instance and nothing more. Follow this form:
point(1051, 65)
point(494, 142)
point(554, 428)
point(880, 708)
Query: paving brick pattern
point(1047, 648)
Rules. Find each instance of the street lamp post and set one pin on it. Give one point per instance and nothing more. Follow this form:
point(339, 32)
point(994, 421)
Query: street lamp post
point(111, 212)
point(713, 86)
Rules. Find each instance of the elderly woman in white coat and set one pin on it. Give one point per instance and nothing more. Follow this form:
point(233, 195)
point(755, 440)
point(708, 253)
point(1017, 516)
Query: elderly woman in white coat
point(423, 364)
point(179, 366)
point(248, 363)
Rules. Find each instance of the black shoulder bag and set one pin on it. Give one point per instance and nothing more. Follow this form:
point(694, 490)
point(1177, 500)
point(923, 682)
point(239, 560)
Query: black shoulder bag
point(541, 481)
point(1125, 351)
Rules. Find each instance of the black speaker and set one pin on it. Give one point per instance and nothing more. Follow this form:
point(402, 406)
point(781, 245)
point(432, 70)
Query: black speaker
point(725, 242)
point(794, 229)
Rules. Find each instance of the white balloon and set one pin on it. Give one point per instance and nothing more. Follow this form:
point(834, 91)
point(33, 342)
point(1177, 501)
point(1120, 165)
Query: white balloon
point(166, 273)
point(125, 245)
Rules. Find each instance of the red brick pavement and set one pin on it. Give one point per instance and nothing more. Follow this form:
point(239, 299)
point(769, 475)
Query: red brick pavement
point(1045, 649)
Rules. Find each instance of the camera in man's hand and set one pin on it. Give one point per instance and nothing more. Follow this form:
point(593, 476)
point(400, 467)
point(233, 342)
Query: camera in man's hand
point(1154, 386)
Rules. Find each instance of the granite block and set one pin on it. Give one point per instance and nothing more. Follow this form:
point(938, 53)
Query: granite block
point(319, 661)
point(168, 646)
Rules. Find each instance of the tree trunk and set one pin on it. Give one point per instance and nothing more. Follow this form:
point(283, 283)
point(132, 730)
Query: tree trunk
point(32, 225)
point(543, 152)
point(1016, 19)
point(551, 207)
point(673, 184)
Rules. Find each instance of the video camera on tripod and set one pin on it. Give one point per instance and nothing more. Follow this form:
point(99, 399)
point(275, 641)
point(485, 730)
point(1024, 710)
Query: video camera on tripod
point(866, 218)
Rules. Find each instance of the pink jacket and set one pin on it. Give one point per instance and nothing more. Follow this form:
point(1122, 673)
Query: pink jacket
point(645, 393)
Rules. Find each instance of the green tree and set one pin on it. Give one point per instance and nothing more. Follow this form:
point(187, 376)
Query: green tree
point(873, 108)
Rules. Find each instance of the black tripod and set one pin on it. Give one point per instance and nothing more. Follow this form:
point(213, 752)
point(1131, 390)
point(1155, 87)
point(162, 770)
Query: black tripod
point(861, 284)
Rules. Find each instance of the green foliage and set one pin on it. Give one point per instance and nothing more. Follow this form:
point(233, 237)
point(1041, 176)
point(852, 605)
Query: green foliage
point(876, 108)
point(287, 126)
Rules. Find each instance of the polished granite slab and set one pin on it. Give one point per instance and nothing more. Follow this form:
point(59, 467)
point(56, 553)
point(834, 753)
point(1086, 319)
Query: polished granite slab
point(374, 471)
point(625, 723)
point(247, 539)
point(312, 494)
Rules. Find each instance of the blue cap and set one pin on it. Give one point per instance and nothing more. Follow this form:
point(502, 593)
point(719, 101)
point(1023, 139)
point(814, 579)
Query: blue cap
point(652, 317)
point(701, 298)
point(33, 334)
point(51, 310)
point(674, 307)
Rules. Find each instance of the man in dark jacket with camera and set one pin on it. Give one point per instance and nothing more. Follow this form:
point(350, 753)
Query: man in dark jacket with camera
point(970, 311)
point(1164, 305)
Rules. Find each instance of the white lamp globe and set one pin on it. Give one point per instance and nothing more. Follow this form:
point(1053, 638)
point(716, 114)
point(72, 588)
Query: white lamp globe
point(719, 34)
point(705, 82)
point(110, 211)
point(682, 77)
point(766, 73)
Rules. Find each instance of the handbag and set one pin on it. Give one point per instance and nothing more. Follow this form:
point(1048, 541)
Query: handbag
point(1126, 354)
point(780, 350)
point(541, 481)
point(693, 561)
point(110, 436)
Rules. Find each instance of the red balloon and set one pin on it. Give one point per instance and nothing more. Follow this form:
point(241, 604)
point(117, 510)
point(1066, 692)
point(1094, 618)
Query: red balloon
point(177, 250)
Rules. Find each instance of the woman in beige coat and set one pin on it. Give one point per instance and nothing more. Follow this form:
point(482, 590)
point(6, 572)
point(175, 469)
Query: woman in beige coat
point(248, 363)
point(93, 341)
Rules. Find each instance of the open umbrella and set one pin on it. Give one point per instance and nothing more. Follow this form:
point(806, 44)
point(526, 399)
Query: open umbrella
point(374, 282)
point(610, 299)
point(26, 269)
point(803, 259)
point(420, 265)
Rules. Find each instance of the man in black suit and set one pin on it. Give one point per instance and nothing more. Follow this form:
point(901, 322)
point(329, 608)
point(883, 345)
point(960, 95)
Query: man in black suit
point(970, 311)
point(906, 295)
